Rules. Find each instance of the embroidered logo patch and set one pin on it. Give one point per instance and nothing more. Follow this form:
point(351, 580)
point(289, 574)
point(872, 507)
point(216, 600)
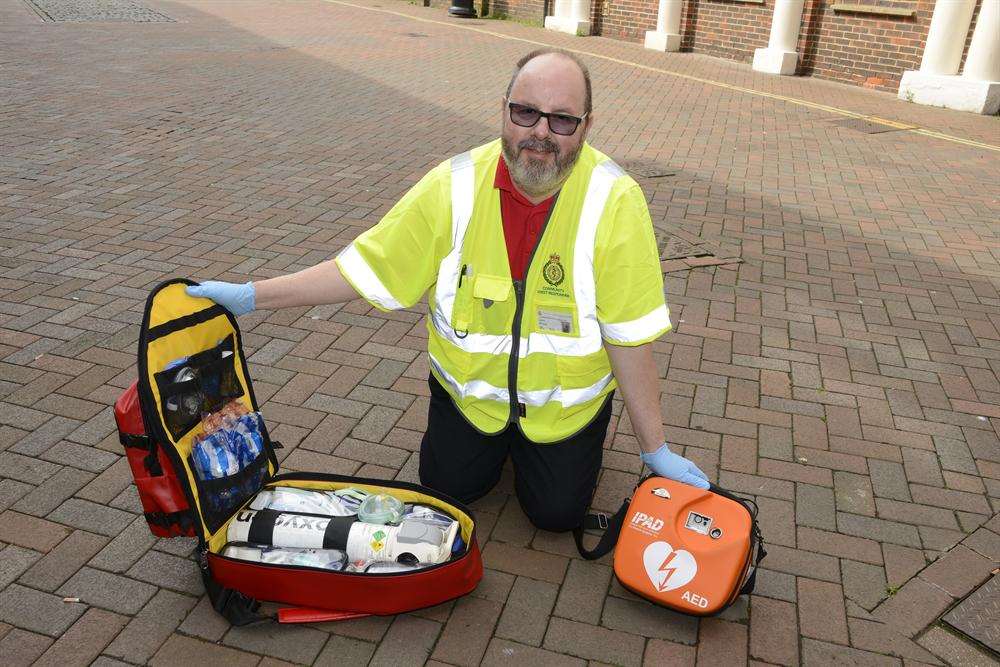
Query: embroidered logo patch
point(553, 271)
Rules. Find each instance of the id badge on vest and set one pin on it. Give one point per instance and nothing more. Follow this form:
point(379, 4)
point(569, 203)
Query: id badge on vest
point(552, 320)
point(555, 318)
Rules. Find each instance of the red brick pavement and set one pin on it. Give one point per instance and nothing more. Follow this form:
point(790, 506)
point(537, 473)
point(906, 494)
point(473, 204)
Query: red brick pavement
point(841, 367)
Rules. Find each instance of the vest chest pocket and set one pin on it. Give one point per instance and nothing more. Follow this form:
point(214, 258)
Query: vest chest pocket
point(474, 304)
point(491, 310)
point(491, 289)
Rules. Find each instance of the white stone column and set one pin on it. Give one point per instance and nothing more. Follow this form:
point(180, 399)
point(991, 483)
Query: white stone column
point(946, 36)
point(983, 61)
point(572, 16)
point(780, 56)
point(936, 82)
point(667, 36)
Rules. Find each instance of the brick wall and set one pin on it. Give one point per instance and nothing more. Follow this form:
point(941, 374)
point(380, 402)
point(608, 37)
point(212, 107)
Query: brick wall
point(522, 10)
point(725, 28)
point(865, 49)
point(624, 19)
point(860, 48)
point(532, 11)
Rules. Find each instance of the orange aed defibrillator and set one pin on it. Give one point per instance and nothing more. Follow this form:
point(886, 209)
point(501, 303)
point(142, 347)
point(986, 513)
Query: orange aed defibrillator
point(689, 549)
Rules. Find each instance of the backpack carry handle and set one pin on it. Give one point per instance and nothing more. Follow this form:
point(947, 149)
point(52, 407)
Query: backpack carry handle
point(240, 609)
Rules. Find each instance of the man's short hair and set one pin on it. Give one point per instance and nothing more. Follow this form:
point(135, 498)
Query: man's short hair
point(544, 52)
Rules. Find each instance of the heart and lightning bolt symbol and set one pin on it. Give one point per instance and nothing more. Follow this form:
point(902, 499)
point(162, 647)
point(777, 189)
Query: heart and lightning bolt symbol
point(667, 570)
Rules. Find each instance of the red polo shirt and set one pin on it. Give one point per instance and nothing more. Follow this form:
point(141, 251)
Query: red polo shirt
point(522, 221)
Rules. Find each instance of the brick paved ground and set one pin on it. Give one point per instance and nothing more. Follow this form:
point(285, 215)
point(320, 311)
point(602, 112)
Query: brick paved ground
point(843, 371)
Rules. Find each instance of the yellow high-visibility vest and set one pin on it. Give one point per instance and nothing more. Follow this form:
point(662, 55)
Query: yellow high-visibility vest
point(529, 352)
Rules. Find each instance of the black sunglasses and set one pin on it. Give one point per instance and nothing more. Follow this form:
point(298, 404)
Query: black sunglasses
point(559, 123)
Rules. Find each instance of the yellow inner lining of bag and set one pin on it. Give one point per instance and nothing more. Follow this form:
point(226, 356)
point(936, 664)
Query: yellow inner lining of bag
point(169, 304)
point(218, 541)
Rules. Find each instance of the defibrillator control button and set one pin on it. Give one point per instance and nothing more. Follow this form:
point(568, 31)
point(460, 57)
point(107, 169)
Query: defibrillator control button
point(715, 534)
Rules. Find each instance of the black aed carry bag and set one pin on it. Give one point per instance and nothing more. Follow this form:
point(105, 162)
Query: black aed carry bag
point(172, 397)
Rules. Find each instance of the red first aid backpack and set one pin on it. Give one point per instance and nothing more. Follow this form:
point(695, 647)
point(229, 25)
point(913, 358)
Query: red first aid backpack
point(159, 446)
point(163, 501)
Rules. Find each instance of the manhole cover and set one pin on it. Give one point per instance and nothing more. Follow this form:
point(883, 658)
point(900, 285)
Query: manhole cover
point(118, 11)
point(646, 169)
point(865, 126)
point(978, 615)
point(674, 247)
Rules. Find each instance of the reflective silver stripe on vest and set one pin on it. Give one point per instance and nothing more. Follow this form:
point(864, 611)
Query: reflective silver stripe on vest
point(566, 397)
point(474, 388)
point(463, 194)
point(640, 328)
point(584, 280)
point(365, 279)
point(473, 342)
point(485, 391)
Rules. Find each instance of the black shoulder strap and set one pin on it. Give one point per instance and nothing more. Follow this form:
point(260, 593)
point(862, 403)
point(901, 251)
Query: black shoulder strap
point(232, 605)
point(612, 526)
point(751, 580)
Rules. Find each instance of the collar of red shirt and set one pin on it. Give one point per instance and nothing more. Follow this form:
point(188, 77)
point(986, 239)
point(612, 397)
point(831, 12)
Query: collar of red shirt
point(503, 181)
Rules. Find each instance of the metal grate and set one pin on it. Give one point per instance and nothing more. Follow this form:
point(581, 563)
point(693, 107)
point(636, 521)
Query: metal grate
point(978, 615)
point(116, 11)
point(865, 126)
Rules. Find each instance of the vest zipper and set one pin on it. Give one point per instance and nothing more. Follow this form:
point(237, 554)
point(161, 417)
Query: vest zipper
point(515, 345)
point(518, 409)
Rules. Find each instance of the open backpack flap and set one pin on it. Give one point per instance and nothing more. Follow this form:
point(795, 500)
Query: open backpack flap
point(191, 364)
point(692, 550)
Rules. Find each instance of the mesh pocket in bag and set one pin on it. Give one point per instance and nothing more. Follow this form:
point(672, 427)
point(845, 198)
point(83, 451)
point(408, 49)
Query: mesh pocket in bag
point(197, 385)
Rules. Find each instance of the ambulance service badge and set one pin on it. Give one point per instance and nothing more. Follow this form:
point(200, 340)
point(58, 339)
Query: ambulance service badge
point(553, 271)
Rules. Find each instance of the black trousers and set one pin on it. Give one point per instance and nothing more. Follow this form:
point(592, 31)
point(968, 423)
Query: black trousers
point(554, 482)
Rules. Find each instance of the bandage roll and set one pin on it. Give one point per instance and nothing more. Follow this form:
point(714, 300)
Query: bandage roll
point(288, 529)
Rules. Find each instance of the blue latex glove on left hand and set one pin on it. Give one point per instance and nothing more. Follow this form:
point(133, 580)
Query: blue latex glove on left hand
point(665, 463)
point(237, 299)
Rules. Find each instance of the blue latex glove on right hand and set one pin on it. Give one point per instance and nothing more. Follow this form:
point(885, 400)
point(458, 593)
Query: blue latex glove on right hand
point(665, 463)
point(237, 299)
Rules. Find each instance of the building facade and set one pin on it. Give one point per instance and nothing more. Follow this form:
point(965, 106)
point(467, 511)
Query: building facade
point(864, 42)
